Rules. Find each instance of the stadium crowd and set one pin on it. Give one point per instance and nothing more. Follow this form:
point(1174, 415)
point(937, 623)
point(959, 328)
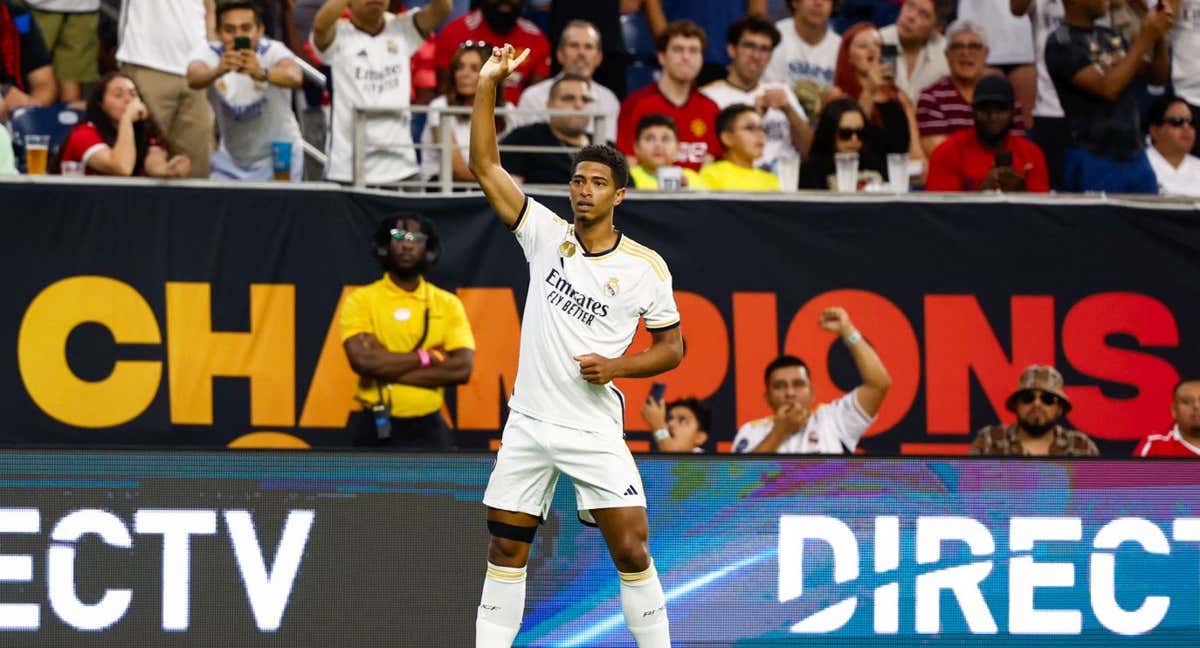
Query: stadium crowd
point(761, 95)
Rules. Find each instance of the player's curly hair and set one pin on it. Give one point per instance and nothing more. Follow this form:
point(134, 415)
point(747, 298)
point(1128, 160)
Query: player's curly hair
point(608, 156)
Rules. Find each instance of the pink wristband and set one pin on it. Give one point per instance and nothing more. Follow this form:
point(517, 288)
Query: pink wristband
point(424, 356)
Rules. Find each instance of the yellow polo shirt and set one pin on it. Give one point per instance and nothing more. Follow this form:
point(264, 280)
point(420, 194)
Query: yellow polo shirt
point(727, 176)
point(397, 318)
point(646, 181)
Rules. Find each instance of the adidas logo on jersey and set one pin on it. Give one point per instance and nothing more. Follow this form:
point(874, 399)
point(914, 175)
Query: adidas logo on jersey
point(631, 490)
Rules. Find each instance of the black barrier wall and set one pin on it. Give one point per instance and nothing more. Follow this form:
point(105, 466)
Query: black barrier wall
point(189, 316)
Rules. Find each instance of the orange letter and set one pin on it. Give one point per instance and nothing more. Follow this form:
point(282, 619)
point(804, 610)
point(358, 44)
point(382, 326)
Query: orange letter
point(959, 341)
point(331, 394)
point(42, 345)
point(884, 325)
point(755, 345)
point(703, 368)
point(266, 354)
point(1150, 323)
point(497, 327)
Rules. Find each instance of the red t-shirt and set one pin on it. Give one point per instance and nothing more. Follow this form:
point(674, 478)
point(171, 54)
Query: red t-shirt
point(525, 35)
point(695, 121)
point(961, 163)
point(1166, 445)
point(84, 141)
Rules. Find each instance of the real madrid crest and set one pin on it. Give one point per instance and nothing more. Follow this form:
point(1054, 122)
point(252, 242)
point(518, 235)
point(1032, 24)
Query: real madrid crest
point(612, 287)
point(567, 249)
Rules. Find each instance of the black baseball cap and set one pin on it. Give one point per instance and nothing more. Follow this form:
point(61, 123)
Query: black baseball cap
point(993, 89)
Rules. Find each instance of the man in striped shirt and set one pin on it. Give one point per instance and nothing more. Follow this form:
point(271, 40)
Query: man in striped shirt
point(1183, 440)
point(944, 108)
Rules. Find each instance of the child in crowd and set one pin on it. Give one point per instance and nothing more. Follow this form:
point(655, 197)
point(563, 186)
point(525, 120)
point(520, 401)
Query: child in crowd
point(740, 128)
point(656, 146)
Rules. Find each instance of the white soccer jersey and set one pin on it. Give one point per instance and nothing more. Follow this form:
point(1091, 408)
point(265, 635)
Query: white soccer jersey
point(372, 71)
point(775, 121)
point(833, 428)
point(251, 114)
point(580, 303)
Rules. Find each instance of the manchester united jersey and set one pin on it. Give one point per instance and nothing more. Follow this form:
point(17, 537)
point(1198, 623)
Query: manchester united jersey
point(695, 122)
point(581, 302)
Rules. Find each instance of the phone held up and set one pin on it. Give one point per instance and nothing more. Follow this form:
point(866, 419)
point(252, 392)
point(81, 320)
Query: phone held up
point(888, 55)
point(241, 43)
point(657, 391)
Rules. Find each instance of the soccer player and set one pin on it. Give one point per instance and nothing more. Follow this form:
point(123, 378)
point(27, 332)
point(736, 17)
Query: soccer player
point(588, 287)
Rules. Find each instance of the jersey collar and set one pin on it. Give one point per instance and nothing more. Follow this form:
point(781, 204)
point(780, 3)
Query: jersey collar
point(586, 253)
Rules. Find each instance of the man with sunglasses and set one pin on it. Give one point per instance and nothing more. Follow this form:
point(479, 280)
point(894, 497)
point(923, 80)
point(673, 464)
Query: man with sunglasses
point(1039, 402)
point(406, 339)
point(1172, 135)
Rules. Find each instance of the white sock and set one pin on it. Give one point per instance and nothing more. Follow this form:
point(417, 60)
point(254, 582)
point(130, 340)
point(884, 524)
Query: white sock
point(501, 607)
point(645, 608)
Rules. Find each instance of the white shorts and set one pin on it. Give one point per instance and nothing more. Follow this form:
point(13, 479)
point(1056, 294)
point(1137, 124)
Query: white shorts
point(533, 453)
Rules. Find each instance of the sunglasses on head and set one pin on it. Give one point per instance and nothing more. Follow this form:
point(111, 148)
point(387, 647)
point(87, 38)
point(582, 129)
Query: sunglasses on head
point(847, 133)
point(1048, 399)
point(1178, 121)
point(405, 235)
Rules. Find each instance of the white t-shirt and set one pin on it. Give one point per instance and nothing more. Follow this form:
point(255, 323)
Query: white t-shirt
point(534, 98)
point(431, 158)
point(1185, 52)
point(833, 428)
point(1175, 181)
point(1009, 37)
point(779, 129)
point(806, 69)
point(250, 114)
point(161, 35)
point(580, 303)
point(372, 72)
point(1046, 15)
point(931, 63)
point(65, 6)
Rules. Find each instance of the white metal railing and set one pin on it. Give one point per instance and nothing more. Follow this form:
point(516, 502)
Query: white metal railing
point(445, 143)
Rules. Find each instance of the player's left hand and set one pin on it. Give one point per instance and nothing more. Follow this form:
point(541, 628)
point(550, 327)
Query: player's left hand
point(836, 320)
point(596, 369)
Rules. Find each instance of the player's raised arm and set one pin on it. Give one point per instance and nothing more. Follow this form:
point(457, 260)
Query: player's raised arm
point(504, 194)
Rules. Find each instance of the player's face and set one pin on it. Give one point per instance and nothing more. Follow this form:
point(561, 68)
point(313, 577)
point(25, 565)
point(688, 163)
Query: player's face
point(789, 385)
point(593, 192)
point(408, 252)
point(1185, 407)
point(579, 51)
point(747, 136)
point(240, 22)
point(683, 424)
point(750, 55)
point(656, 146)
point(1037, 413)
point(682, 59)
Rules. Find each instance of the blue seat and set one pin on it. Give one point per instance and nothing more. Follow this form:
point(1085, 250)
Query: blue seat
point(639, 41)
point(55, 121)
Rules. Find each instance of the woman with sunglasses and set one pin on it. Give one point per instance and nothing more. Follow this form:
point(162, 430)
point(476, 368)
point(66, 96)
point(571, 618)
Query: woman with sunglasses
point(458, 90)
point(840, 129)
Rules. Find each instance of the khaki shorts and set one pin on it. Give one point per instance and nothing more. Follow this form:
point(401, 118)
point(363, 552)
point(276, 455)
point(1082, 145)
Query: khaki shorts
point(74, 40)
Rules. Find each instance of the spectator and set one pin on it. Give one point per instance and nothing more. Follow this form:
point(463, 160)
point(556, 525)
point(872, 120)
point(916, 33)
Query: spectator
point(1049, 126)
point(406, 339)
point(679, 53)
point(657, 147)
point(946, 106)
point(569, 92)
point(1183, 440)
point(369, 55)
point(578, 53)
point(1185, 58)
point(713, 16)
point(807, 54)
point(459, 91)
point(922, 56)
point(841, 128)
point(605, 17)
point(1093, 69)
point(71, 29)
point(495, 23)
point(679, 426)
point(743, 137)
point(1172, 135)
point(751, 39)
point(250, 89)
point(119, 136)
point(796, 426)
point(1010, 48)
point(26, 74)
point(157, 40)
point(990, 155)
point(861, 75)
point(1039, 402)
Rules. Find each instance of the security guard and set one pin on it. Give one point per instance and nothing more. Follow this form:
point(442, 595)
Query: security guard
point(406, 339)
